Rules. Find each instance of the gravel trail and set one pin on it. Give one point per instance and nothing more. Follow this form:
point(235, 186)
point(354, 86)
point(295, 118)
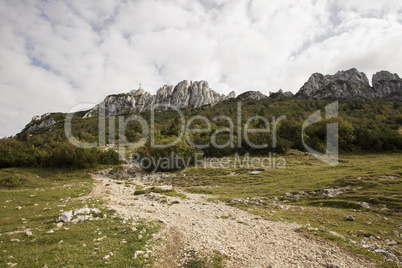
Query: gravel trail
point(244, 239)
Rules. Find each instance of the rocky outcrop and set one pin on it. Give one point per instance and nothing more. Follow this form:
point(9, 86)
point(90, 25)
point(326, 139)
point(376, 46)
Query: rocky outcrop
point(184, 95)
point(386, 84)
point(344, 84)
point(281, 94)
point(252, 95)
point(39, 121)
point(350, 84)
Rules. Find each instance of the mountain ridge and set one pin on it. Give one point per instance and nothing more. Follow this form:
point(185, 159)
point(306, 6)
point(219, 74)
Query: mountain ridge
point(349, 84)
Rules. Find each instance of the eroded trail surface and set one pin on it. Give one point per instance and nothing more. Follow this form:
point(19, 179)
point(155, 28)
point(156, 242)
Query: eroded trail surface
point(244, 239)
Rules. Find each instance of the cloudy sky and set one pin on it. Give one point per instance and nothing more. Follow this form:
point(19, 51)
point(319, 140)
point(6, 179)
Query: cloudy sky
point(57, 54)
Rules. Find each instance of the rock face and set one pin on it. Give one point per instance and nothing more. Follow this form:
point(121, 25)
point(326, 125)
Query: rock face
point(281, 94)
point(252, 95)
point(350, 84)
point(39, 121)
point(387, 84)
point(183, 95)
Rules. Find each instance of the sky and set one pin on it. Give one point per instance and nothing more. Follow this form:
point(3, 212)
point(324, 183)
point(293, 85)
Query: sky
point(57, 54)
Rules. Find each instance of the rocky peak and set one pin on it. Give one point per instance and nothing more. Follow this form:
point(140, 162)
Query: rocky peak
point(39, 121)
point(232, 95)
point(137, 92)
point(252, 95)
point(344, 84)
point(352, 75)
point(280, 94)
point(387, 84)
point(184, 94)
point(384, 76)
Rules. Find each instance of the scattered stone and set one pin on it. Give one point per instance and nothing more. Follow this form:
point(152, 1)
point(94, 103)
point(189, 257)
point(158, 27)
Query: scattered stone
point(106, 257)
point(50, 232)
point(365, 205)
point(96, 211)
point(59, 225)
point(385, 253)
point(337, 235)
point(28, 233)
point(65, 216)
point(18, 208)
point(395, 233)
point(139, 237)
point(14, 240)
point(392, 243)
point(137, 253)
point(255, 172)
point(123, 242)
point(60, 242)
point(295, 198)
point(350, 218)
point(82, 211)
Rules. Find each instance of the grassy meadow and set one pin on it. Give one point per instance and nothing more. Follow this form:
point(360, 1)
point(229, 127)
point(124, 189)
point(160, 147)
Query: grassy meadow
point(290, 195)
point(30, 201)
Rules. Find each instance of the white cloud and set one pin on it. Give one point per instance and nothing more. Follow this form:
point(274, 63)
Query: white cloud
point(56, 54)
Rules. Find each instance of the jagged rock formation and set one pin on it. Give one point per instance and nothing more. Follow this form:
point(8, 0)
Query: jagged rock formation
point(253, 95)
point(350, 84)
point(183, 95)
point(281, 94)
point(38, 122)
point(386, 84)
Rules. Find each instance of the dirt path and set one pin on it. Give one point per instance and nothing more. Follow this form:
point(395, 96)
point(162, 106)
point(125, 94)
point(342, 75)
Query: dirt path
point(244, 239)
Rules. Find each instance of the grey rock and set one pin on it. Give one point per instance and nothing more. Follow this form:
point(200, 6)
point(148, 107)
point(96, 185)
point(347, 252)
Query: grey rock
point(351, 84)
point(137, 253)
point(231, 95)
point(65, 216)
point(387, 84)
point(350, 218)
point(184, 95)
point(95, 211)
point(39, 122)
point(295, 198)
point(82, 211)
point(252, 95)
point(337, 235)
point(386, 253)
point(280, 94)
point(392, 243)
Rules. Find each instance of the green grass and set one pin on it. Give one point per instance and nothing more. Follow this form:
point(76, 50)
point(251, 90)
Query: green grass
point(42, 194)
point(373, 178)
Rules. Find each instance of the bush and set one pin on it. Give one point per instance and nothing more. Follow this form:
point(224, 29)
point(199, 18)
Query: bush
point(164, 159)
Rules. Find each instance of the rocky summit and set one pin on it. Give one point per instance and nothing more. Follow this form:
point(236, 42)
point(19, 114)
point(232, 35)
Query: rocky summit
point(183, 95)
point(351, 84)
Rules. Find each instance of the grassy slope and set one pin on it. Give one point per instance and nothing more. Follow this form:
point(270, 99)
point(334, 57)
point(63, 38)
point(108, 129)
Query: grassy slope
point(42, 195)
point(374, 178)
